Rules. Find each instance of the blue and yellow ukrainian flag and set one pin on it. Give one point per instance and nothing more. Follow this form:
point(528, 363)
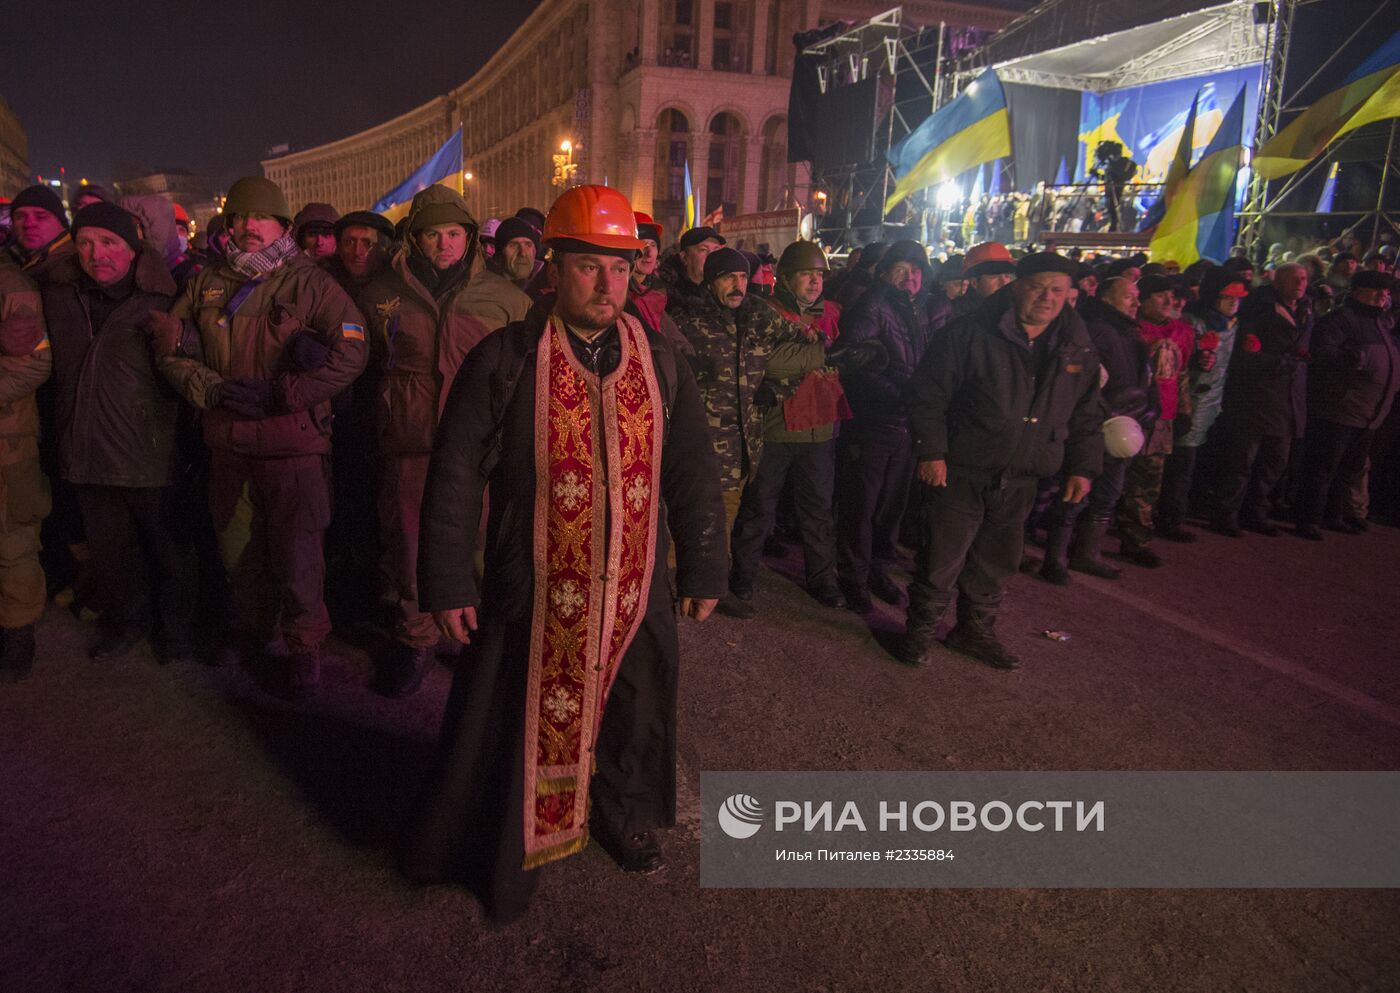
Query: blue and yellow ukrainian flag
point(1177, 171)
point(967, 132)
point(445, 163)
point(689, 201)
point(1371, 93)
point(1200, 220)
point(1329, 190)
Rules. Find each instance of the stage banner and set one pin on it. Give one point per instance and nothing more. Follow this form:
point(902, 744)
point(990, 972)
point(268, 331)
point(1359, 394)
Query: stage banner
point(1149, 120)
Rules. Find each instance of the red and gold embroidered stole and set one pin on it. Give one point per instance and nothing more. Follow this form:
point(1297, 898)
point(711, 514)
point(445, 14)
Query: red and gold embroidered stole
point(598, 476)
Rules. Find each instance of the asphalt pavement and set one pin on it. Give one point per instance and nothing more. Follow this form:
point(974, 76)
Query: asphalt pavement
point(177, 828)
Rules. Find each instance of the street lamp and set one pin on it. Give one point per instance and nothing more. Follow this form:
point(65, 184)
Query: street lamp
point(565, 168)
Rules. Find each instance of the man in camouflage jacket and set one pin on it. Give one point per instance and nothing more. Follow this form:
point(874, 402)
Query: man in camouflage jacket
point(747, 359)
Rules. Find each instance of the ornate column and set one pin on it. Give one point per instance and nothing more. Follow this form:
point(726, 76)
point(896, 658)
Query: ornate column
point(752, 175)
point(705, 57)
point(758, 37)
point(642, 165)
point(650, 31)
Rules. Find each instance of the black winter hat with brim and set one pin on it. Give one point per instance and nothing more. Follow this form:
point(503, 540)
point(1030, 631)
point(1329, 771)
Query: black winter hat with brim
point(42, 197)
point(364, 219)
point(1370, 279)
point(725, 260)
point(903, 251)
point(696, 235)
point(514, 227)
point(1038, 262)
point(109, 217)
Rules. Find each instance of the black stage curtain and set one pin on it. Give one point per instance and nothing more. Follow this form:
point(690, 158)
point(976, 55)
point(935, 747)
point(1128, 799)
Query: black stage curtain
point(1044, 132)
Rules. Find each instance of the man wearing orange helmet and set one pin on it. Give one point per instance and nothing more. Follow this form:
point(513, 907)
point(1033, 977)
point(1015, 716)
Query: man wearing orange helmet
point(592, 436)
point(436, 302)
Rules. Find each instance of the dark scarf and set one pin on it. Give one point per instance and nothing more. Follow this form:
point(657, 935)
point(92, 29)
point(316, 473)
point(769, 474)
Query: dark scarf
point(441, 283)
point(102, 301)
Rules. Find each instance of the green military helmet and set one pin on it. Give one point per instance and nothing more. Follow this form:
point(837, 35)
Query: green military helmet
point(257, 195)
point(802, 255)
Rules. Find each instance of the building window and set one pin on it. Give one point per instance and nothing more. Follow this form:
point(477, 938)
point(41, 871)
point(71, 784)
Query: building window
point(677, 43)
point(731, 45)
point(672, 148)
point(775, 185)
point(722, 177)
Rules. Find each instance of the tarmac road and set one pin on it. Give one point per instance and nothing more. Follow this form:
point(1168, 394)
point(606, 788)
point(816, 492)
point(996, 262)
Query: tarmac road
point(177, 829)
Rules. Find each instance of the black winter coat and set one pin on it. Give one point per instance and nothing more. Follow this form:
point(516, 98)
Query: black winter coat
point(1355, 368)
point(116, 416)
point(497, 379)
point(1266, 388)
point(978, 404)
point(1123, 354)
point(880, 397)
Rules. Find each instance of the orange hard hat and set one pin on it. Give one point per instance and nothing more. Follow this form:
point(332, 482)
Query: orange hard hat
point(594, 215)
point(181, 215)
point(987, 259)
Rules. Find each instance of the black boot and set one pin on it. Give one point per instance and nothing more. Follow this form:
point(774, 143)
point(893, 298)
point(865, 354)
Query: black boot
point(1055, 568)
point(920, 630)
point(17, 654)
point(1086, 552)
point(975, 637)
point(403, 670)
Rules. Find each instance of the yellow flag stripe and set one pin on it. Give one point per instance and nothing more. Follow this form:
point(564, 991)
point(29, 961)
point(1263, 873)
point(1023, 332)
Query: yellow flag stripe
point(988, 139)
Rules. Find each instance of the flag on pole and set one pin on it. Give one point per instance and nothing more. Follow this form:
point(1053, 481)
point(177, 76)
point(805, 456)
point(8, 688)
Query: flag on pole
point(994, 188)
point(1371, 93)
point(976, 195)
point(1062, 174)
point(1200, 220)
point(971, 130)
point(1329, 190)
point(1176, 172)
point(445, 163)
point(689, 201)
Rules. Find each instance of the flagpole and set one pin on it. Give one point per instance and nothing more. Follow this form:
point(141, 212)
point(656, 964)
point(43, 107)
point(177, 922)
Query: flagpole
point(1380, 190)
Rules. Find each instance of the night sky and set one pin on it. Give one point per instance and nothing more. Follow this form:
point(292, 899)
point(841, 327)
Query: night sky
point(105, 88)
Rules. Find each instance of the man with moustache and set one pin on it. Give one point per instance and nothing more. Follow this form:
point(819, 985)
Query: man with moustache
point(260, 344)
point(592, 437)
point(747, 359)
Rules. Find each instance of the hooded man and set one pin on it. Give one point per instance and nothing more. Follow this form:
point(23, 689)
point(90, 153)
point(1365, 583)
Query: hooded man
point(435, 304)
point(116, 430)
point(260, 344)
point(591, 435)
point(799, 445)
point(313, 229)
point(25, 362)
point(1005, 397)
point(746, 359)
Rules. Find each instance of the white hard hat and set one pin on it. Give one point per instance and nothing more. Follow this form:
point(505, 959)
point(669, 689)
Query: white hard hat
point(1122, 437)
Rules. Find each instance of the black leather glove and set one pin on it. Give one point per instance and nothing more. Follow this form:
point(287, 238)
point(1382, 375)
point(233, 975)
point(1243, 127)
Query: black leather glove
point(250, 398)
point(764, 397)
point(308, 351)
point(1181, 425)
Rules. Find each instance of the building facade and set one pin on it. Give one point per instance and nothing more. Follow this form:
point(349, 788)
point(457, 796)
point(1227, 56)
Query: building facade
point(14, 153)
point(638, 89)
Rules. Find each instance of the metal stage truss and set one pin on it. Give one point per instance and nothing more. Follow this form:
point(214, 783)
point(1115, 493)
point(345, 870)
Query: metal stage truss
point(904, 60)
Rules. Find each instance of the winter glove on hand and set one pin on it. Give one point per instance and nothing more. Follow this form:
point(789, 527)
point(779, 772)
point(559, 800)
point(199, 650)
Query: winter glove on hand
point(20, 335)
point(251, 398)
point(764, 397)
point(308, 351)
point(1181, 425)
point(165, 332)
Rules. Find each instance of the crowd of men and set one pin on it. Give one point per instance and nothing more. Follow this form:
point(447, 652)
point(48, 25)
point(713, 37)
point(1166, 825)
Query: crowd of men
point(213, 422)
